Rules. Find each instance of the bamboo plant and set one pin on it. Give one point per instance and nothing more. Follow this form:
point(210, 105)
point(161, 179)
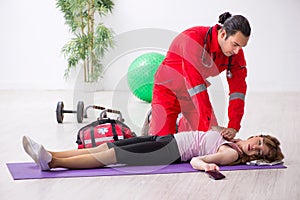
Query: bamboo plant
point(92, 40)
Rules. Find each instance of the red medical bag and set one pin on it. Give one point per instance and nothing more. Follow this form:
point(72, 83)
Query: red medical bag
point(101, 131)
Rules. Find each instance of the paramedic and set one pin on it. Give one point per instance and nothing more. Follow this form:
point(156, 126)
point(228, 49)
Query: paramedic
point(180, 84)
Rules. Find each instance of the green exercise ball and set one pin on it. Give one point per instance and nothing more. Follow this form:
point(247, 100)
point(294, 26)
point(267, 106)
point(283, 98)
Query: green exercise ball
point(140, 76)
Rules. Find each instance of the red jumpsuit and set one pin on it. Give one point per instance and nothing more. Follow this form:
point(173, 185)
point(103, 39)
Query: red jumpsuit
point(180, 84)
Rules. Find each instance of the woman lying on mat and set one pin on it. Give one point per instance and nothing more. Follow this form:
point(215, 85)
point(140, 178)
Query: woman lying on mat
point(204, 150)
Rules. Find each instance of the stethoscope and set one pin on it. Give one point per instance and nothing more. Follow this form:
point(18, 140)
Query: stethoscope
point(210, 63)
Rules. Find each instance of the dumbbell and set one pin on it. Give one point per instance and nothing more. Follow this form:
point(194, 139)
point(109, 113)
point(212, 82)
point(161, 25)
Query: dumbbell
point(104, 114)
point(60, 111)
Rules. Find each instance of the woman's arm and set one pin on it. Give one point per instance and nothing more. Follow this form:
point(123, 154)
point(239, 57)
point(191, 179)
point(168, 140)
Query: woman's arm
point(224, 156)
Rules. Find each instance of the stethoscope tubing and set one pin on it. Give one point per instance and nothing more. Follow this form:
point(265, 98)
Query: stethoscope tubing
point(208, 65)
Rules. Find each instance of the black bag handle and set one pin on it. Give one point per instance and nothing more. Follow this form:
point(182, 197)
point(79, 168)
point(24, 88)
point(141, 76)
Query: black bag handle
point(93, 136)
point(113, 126)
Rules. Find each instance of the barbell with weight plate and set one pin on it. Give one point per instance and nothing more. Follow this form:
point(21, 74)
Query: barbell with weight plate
point(60, 111)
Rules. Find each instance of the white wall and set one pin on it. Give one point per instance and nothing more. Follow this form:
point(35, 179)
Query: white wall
point(31, 37)
point(33, 33)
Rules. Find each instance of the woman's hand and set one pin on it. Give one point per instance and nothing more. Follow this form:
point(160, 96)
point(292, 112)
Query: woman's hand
point(228, 133)
point(210, 167)
point(199, 164)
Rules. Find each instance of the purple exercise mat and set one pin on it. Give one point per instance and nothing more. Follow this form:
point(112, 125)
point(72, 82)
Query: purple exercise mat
point(31, 171)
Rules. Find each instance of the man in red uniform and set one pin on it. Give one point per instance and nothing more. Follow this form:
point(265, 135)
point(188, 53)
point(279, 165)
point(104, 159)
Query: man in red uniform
point(180, 84)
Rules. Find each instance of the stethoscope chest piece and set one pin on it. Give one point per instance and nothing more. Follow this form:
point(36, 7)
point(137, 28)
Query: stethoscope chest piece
point(229, 74)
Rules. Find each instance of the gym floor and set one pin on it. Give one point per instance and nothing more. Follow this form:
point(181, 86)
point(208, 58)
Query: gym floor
point(32, 113)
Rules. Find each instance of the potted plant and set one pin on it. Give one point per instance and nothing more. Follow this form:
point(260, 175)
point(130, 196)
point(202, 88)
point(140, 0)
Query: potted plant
point(91, 39)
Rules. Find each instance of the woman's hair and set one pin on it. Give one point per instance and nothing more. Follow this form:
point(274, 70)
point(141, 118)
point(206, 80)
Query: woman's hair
point(274, 154)
point(232, 24)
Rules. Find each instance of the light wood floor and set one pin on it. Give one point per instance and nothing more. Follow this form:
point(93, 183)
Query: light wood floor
point(33, 113)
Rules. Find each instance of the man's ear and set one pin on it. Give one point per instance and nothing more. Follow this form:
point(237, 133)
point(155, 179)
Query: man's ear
point(223, 34)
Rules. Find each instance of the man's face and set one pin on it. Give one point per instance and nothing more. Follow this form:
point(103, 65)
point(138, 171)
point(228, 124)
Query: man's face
point(232, 45)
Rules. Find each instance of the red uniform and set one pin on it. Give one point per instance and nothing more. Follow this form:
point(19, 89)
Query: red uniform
point(180, 84)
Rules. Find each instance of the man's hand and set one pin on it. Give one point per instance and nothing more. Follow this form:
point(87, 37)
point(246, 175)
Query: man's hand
point(217, 128)
point(228, 133)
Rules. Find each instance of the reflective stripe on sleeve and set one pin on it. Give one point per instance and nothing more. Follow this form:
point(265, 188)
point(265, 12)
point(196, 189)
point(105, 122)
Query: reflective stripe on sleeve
point(237, 95)
point(197, 89)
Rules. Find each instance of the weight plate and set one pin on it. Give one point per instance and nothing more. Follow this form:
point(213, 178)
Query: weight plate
point(59, 112)
point(80, 111)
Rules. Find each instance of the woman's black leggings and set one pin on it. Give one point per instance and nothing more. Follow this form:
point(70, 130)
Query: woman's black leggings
point(146, 150)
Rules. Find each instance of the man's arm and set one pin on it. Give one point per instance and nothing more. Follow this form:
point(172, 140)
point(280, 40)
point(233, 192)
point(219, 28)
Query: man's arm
point(237, 92)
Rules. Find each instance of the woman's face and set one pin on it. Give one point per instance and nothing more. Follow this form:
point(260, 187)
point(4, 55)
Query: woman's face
point(233, 44)
point(255, 146)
